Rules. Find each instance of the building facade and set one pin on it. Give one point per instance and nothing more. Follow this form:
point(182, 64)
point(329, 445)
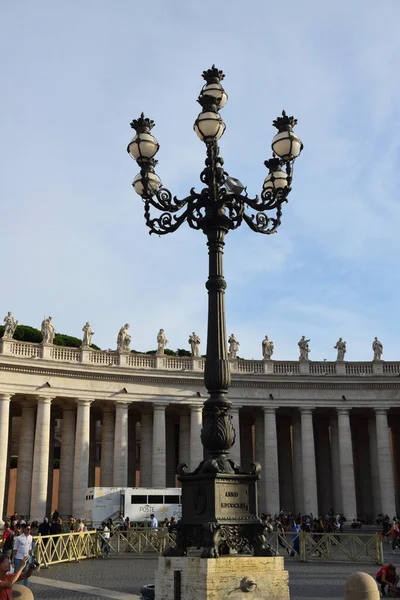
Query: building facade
point(327, 434)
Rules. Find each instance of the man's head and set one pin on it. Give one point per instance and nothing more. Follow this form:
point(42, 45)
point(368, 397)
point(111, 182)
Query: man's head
point(151, 516)
point(26, 528)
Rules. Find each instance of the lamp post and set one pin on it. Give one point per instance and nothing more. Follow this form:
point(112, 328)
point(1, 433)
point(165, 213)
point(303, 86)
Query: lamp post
point(219, 500)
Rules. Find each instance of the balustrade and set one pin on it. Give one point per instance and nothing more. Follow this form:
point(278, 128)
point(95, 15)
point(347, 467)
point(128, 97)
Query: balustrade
point(185, 363)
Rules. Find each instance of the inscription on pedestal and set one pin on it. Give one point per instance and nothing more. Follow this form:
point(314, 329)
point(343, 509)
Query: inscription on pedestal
point(233, 500)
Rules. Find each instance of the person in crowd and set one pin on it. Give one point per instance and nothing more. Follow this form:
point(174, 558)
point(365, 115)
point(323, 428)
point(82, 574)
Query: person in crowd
point(7, 579)
point(55, 527)
point(395, 532)
point(80, 526)
point(22, 549)
point(44, 527)
point(105, 539)
point(7, 539)
point(56, 515)
point(153, 521)
point(13, 520)
point(296, 532)
point(387, 579)
point(172, 525)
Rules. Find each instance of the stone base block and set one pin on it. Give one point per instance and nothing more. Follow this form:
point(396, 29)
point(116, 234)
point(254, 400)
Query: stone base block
point(225, 578)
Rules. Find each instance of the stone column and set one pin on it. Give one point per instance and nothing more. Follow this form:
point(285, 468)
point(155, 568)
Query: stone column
point(146, 444)
point(67, 460)
point(385, 463)
point(259, 448)
point(184, 439)
point(234, 453)
point(309, 469)
point(171, 460)
point(196, 447)
point(121, 445)
point(286, 493)
point(92, 451)
point(297, 464)
point(132, 418)
point(40, 469)
point(375, 482)
point(335, 460)
point(158, 453)
point(4, 426)
point(271, 462)
point(107, 446)
point(81, 458)
point(323, 464)
point(25, 461)
point(349, 504)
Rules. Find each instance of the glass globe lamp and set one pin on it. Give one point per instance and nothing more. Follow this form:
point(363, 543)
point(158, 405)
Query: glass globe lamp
point(209, 126)
point(276, 178)
point(217, 91)
point(153, 184)
point(287, 145)
point(143, 146)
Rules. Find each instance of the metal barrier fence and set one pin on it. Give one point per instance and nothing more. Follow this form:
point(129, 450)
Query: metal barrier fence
point(319, 547)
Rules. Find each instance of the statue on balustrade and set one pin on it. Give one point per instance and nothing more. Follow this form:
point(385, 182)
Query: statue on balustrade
point(377, 347)
point(87, 335)
point(267, 348)
point(304, 348)
point(341, 349)
point(194, 342)
point(161, 342)
point(10, 325)
point(48, 331)
point(233, 346)
point(124, 339)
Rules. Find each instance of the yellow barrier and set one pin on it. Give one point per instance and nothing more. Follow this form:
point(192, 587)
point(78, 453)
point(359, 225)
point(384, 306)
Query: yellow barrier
point(320, 547)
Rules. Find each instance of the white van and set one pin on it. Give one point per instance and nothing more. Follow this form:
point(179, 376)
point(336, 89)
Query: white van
point(102, 503)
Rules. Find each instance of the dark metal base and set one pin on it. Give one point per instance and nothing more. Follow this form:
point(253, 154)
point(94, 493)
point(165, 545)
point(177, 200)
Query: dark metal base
point(219, 512)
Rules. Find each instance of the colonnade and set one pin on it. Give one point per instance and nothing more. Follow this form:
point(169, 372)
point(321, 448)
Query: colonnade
point(312, 459)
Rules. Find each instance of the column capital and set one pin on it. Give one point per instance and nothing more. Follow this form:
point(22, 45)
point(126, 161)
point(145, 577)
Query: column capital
point(308, 410)
point(343, 411)
point(5, 397)
point(122, 404)
point(269, 409)
point(44, 399)
point(83, 402)
point(235, 409)
point(160, 405)
point(380, 411)
point(196, 407)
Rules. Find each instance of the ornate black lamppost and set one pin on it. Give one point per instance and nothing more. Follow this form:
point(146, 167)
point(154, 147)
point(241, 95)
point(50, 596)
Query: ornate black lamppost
point(219, 500)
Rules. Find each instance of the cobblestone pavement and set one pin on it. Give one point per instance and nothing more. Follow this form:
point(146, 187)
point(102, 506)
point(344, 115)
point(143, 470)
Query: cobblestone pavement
point(127, 573)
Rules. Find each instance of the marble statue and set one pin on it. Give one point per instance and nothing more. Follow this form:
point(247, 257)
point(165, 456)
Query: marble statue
point(341, 349)
point(87, 335)
point(48, 331)
point(161, 342)
point(10, 325)
point(304, 348)
point(194, 342)
point(124, 339)
point(377, 347)
point(267, 348)
point(233, 346)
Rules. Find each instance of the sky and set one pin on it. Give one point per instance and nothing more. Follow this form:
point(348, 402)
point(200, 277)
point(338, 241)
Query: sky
point(74, 242)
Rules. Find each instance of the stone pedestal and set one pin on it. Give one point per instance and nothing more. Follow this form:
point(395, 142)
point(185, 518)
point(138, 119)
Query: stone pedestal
point(225, 578)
